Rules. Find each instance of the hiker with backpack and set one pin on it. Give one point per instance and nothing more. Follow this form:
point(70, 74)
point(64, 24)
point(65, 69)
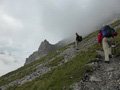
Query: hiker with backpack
point(78, 40)
point(106, 36)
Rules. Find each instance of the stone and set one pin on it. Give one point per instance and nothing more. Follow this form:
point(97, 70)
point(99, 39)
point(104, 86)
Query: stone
point(94, 79)
point(109, 69)
point(44, 49)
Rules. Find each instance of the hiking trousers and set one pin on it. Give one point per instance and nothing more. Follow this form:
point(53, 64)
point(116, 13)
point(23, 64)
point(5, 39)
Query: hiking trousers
point(77, 44)
point(107, 43)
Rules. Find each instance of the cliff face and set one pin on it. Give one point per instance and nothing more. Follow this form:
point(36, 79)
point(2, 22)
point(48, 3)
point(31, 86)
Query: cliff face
point(44, 49)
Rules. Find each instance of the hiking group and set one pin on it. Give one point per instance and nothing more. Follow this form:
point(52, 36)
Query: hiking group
point(106, 38)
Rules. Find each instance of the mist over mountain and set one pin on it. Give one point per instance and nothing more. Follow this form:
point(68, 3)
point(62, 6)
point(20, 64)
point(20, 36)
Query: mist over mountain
point(65, 17)
point(8, 62)
point(67, 68)
point(44, 49)
point(24, 22)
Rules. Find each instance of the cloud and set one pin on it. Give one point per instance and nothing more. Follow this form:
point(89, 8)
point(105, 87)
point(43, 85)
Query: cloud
point(9, 23)
point(25, 23)
point(8, 63)
point(81, 16)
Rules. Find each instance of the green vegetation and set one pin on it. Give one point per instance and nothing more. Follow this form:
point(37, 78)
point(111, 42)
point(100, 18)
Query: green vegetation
point(62, 76)
point(117, 40)
point(27, 69)
point(88, 37)
point(115, 23)
point(15, 76)
point(71, 44)
point(55, 61)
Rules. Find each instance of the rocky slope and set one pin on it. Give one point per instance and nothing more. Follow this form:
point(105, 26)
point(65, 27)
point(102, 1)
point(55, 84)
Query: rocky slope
point(103, 77)
point(40, 69)
point(44, 49)
point(68, 68)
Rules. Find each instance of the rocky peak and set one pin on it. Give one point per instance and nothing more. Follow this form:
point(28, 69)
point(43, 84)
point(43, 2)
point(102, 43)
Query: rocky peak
point(44, 49)
point(44, 45)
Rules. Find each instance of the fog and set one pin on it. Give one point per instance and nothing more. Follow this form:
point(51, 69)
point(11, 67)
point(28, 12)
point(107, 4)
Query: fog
point(24, 24)
point(65, 17)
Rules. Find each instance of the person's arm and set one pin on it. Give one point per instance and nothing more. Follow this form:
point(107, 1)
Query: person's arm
point(115, 33)
point(100, 37)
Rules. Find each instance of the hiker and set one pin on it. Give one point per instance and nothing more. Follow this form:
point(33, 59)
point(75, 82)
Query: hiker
point(78, 40)
point(106, 36)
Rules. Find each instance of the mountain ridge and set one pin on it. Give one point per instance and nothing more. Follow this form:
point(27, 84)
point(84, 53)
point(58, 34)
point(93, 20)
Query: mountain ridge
point(63, 69)
point(44, 49)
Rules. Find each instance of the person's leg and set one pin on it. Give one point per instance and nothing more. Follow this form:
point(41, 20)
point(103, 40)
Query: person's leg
point(110, 52)
point(106, 49)
point(110, 40)
point(77, 45)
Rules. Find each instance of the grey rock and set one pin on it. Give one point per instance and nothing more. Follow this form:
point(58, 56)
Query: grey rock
point(44, 49)
point(95, 79)
point(106, 77)
point(103, 77)
point(109, 69)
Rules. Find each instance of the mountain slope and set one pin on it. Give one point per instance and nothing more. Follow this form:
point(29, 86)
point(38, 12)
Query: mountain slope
point(44, 49)
point(104, 77)
point(62, 69)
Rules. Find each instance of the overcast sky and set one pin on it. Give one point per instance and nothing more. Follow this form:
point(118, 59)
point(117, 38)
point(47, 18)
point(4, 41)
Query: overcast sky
point(25, 23)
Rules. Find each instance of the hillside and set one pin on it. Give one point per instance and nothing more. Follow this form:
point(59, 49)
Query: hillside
point(69, 69)
point(44, 49)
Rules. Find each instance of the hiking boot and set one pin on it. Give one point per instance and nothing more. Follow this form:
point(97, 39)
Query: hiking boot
point(107, 62)
point(110, 56)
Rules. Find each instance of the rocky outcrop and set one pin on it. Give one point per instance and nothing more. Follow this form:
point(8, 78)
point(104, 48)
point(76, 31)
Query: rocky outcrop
point(44, 49)
point(103, 77)
point(41, 69)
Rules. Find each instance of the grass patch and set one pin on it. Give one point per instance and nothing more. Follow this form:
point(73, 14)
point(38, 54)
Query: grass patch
point(73, 43)
point(15, 77)
point(117, 40)
point(55, 61)
point(88, 37)
point(27, 69)
point(62, 76)
point(116, 23)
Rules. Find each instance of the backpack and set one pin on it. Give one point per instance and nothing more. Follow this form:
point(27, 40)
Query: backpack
point(79, 38)
point(107, 31)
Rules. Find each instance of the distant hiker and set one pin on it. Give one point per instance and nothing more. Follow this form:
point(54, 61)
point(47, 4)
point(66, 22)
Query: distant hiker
point(78, 40)
point(106, 35)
